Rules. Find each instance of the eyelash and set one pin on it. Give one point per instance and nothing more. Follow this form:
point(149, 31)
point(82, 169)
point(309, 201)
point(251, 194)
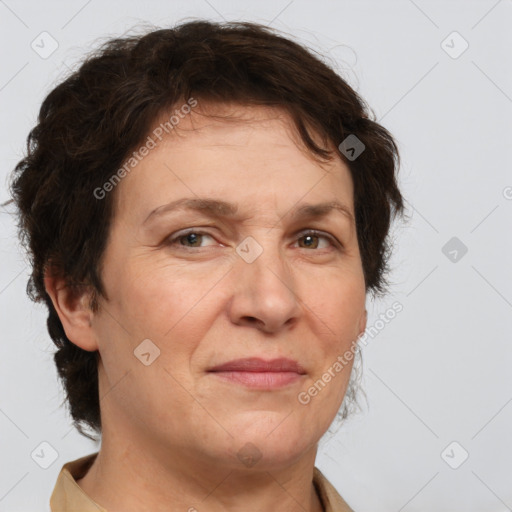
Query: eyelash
point(172, 240)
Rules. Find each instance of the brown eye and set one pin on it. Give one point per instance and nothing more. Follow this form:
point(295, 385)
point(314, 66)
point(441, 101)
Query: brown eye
point(189, 240)
point(192, 238)
point(312, 240)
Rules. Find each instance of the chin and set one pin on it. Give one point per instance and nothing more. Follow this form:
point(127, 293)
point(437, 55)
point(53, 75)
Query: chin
point(262, 448)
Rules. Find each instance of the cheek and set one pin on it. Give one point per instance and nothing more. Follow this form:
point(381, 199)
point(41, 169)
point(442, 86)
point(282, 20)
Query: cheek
point(170, 307)
point(338, 307)
point(158, 298)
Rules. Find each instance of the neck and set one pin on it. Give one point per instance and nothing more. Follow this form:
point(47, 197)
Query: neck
point(129, 479)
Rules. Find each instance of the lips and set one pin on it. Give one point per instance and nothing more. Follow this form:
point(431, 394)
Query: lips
point(255, 364)
point(259, 373)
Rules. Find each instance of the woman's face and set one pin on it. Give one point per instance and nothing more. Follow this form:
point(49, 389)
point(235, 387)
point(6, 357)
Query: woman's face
point(191, 289)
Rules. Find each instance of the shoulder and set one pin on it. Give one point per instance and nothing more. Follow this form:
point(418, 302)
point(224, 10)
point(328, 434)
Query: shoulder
point(67, 495)
point(331, 499)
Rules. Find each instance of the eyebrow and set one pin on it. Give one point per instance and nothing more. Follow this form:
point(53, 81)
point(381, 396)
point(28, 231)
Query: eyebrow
point(221, 209)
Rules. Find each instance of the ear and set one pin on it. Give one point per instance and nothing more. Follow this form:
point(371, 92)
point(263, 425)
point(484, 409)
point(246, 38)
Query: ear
point(72, 306)
point(362, 322)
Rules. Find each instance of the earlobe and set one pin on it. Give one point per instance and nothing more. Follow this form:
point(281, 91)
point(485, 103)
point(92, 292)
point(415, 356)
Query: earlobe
point(72, 306)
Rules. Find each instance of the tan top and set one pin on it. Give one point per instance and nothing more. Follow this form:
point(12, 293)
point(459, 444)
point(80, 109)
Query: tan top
point(68, 496)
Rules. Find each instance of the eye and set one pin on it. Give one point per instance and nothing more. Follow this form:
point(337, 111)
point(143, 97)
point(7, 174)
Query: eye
point(194, 238)
point(311, 239)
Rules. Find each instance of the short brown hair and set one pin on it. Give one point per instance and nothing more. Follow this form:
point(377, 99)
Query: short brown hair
point(89, 124)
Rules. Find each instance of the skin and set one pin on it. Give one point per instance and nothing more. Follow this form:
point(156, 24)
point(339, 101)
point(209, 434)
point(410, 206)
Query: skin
point(171, 430)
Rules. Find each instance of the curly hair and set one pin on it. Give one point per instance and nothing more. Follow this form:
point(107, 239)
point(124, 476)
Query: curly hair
point(89, 124)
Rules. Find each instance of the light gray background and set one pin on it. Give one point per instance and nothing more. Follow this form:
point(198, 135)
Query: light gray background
point(440, 371)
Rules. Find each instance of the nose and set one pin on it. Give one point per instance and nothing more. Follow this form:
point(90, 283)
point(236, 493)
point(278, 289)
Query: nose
point(264, 293)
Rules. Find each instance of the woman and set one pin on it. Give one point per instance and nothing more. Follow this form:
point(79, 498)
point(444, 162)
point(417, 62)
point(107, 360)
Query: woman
point(206, 208)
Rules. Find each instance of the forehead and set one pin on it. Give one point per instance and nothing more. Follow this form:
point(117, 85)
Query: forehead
point(232, 124)
point(232, 152)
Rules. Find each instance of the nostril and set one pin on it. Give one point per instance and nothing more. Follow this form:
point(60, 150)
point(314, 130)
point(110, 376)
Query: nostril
point(253, 322)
